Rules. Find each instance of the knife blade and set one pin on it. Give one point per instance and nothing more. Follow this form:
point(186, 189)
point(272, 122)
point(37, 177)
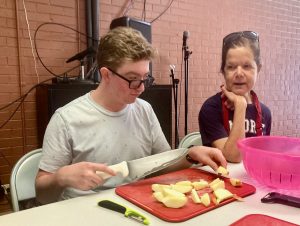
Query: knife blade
point(140, 168)
point(130, 213)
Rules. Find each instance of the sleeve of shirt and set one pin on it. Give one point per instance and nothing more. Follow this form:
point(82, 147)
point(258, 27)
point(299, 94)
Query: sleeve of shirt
point(211, 121)
point(56, 145)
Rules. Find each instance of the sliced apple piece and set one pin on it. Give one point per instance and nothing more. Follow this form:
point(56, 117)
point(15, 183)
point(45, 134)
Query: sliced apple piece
point(215, 181)
point(195, 196)
point(218, 184)
point(205, 199)
point(171, 192)
point(120, 168)
point(222, 194)
point(200, 184)
point(236, 182)
point(174, 201)
point(184, 182)
point(159, 187)
point(158, 195)
point(181, 188)
point(222, 171)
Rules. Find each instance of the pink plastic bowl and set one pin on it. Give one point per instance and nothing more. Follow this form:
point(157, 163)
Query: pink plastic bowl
point(272, 160)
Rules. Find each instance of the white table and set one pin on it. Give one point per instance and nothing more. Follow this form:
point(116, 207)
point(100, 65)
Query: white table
point(83, 211)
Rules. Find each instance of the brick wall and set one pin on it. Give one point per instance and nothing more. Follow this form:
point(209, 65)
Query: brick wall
point(277, 22)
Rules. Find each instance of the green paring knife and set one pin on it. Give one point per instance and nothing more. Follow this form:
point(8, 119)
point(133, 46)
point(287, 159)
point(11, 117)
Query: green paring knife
point(125, 210)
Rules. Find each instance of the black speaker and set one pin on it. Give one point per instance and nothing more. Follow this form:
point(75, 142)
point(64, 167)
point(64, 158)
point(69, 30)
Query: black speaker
point(49, 97)
point(142, 26)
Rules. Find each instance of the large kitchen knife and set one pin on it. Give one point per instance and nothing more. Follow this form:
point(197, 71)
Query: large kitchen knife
point(140, 168)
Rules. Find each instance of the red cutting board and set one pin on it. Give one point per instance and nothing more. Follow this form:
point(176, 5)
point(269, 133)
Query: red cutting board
point(260, 219)
point(140, 194)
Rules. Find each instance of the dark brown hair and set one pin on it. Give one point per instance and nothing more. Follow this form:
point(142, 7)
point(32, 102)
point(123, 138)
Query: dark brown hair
point(240, 40)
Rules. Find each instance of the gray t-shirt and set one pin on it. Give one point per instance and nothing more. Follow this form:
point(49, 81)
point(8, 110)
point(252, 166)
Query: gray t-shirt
point(84, 131)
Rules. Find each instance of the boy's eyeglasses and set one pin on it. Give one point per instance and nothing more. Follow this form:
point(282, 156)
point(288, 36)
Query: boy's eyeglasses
point(135, 84)
point(235, 35)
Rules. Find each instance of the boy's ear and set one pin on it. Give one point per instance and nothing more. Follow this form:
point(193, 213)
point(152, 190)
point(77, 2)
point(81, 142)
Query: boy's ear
point(103, 72)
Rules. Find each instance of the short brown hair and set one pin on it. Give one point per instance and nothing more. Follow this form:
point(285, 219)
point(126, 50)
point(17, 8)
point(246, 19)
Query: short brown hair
point(240, 40)
point(123, 44)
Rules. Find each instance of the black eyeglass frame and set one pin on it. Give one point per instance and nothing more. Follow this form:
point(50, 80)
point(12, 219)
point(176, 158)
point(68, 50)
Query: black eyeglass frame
point(148, 82)
point(252, 35)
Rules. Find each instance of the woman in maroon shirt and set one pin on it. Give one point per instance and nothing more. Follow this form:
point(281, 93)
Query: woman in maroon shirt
point(235, 112)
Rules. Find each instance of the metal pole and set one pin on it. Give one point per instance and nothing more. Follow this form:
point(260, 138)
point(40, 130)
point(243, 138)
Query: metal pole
point(187, 53)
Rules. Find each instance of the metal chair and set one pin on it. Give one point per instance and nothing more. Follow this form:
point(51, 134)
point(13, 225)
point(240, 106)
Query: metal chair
point(193, 138)
point(22, 180)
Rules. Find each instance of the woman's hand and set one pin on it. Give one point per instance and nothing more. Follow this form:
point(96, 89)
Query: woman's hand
point(232, 99)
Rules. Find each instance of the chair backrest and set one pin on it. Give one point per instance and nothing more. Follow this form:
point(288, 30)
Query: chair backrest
point(193, 138)
point(22, 180)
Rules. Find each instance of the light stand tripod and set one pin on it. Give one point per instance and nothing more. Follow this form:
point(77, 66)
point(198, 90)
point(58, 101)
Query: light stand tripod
point(175, 83)
point(186, 54)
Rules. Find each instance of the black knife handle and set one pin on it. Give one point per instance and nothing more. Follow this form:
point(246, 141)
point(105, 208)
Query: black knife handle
point(112, 206)
point(274, 197)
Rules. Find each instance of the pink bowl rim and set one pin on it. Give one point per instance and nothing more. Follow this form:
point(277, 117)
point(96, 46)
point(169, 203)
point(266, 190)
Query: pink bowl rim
point(241, 145)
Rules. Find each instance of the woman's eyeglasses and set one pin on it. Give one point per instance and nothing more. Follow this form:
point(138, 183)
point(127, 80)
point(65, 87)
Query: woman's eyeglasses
point(135, 84)
point(235, 35)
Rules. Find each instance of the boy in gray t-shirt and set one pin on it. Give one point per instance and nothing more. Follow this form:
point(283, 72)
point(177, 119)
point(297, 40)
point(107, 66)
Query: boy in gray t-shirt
point(108, 125)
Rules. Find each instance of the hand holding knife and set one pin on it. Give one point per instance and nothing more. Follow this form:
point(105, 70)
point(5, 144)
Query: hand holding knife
point(125, 210)
point(139, 168)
